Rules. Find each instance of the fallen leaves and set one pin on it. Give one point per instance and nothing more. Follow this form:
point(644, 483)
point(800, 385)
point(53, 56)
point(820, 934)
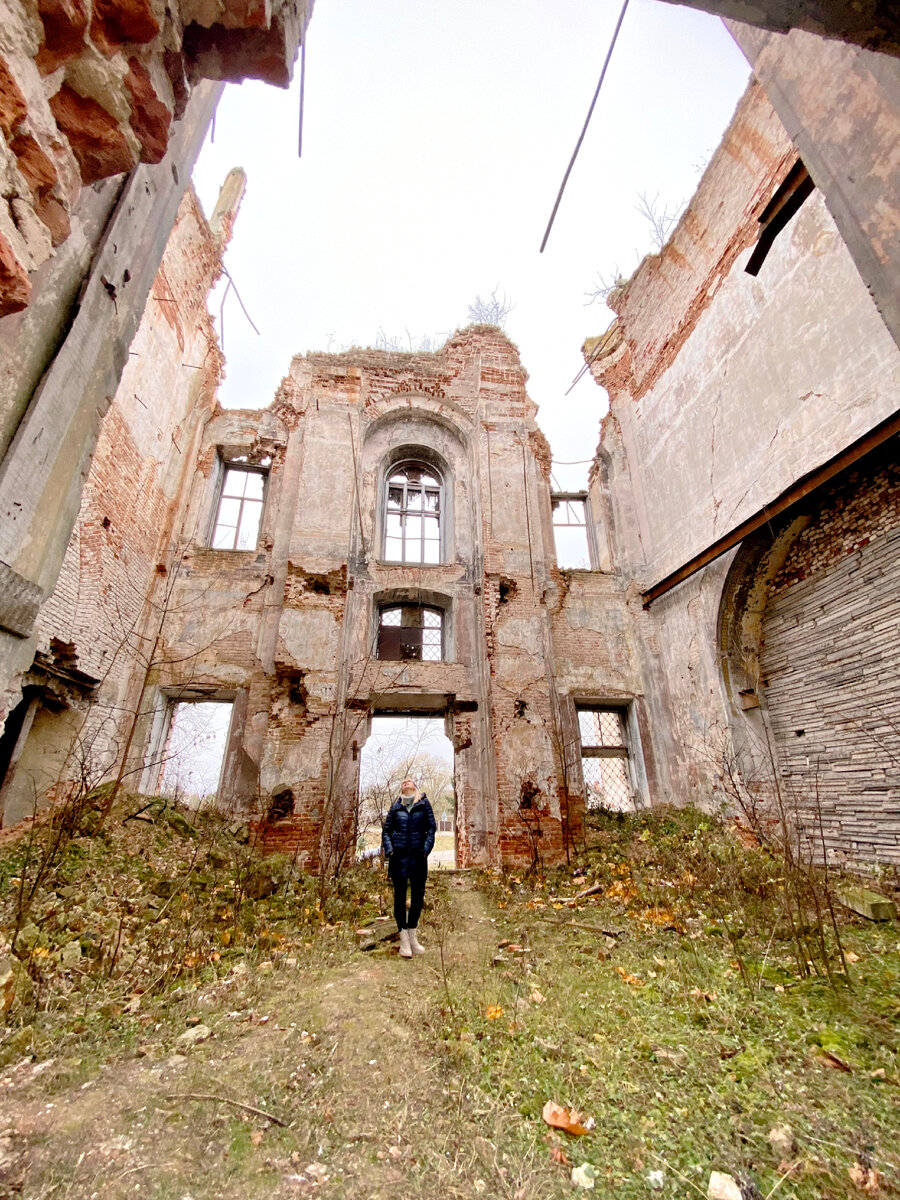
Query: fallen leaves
point(631, 980)
point(699, 994)
point(663, 917)
point(493, 1012)
point(622, 889)
point(567, 1119)
point(867, 1179)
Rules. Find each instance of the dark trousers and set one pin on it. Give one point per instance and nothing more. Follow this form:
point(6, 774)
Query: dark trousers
point(414, 875)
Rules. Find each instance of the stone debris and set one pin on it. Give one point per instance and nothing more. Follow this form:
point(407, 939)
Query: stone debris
point(723, 1187)
point(193, 1037)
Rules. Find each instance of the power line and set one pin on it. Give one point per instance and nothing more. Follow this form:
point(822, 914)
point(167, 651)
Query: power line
point(587, 121)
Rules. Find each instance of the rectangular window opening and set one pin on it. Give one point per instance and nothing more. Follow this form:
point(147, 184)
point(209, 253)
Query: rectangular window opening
point(194, 750)
point(239, 513)
point(570, 532)
point(411, 631)
point(605, 757)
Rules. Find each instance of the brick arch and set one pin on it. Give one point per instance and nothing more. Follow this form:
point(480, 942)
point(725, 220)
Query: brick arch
point(742, 605)
point(423, 435)
point(414, 408)
point(810, 655)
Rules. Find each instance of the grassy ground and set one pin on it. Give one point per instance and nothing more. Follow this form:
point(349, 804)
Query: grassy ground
point(666, 1007)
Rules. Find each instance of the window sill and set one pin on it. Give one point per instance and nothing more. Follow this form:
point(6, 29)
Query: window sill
point(380, 562)
point(417, 662)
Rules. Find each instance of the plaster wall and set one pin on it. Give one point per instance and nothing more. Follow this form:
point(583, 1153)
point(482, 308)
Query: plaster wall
point(725, 392)
point(733, 387)
point(841, 106)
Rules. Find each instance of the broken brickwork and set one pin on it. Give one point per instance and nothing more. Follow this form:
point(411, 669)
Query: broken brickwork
point(90, 88)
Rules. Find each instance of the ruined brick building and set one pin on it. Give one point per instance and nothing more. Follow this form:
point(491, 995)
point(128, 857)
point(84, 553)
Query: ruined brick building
point(380, 539)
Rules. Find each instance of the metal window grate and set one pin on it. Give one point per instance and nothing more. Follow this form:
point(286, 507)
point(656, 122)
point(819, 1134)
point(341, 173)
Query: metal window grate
point(604, 759)
point(411, 631)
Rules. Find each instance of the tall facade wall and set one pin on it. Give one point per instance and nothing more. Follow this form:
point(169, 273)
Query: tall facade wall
point(289, 630)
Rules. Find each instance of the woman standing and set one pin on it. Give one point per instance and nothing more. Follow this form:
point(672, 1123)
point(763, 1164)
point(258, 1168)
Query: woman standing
point(407, 839)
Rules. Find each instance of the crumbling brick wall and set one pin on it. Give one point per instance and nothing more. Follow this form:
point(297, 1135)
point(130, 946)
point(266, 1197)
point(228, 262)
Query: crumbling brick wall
point(116, 580)
point(302, 608)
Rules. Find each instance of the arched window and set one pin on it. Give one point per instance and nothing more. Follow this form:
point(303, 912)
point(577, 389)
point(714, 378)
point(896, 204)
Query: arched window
point(411, 631)
point(412, 519)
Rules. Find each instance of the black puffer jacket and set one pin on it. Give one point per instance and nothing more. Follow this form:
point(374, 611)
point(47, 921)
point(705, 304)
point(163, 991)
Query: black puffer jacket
point(407, 837)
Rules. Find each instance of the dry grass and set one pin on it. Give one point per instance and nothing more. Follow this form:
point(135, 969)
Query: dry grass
point(427, 1078)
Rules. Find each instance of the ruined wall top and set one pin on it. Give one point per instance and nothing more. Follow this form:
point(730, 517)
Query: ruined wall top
point(660, 304)
point(89, 88)
point(475, 365)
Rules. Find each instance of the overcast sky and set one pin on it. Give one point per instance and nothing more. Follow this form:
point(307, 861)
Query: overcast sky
point(434, 141)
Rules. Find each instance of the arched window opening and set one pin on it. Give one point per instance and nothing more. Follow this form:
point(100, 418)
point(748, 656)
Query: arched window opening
point(412, 526)
point(411, 631)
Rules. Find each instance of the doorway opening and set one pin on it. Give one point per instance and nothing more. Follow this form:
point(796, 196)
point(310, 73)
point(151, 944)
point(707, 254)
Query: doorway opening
point(401, 746)
point(194, 750)
point(35, 753)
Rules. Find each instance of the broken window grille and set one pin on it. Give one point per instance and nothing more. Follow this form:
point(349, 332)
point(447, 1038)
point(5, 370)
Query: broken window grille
point(605, 759)
point(240, 509)
point(411, 631)
point(412, 527)
point(570, 532)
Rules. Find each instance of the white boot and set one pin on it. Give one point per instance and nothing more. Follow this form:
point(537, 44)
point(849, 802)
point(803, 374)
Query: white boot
point(405, 948)
point(414, 944)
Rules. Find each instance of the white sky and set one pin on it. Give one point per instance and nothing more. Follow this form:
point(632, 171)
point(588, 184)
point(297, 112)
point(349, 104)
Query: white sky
point(435, 138)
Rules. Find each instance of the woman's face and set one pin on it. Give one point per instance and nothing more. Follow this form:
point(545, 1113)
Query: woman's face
point(407, 789)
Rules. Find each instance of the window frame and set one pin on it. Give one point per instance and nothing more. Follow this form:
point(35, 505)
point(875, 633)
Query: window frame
point(436, 472)
point(226, 465)
point(565, 498)
point(385, 606)
point(624, 753)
